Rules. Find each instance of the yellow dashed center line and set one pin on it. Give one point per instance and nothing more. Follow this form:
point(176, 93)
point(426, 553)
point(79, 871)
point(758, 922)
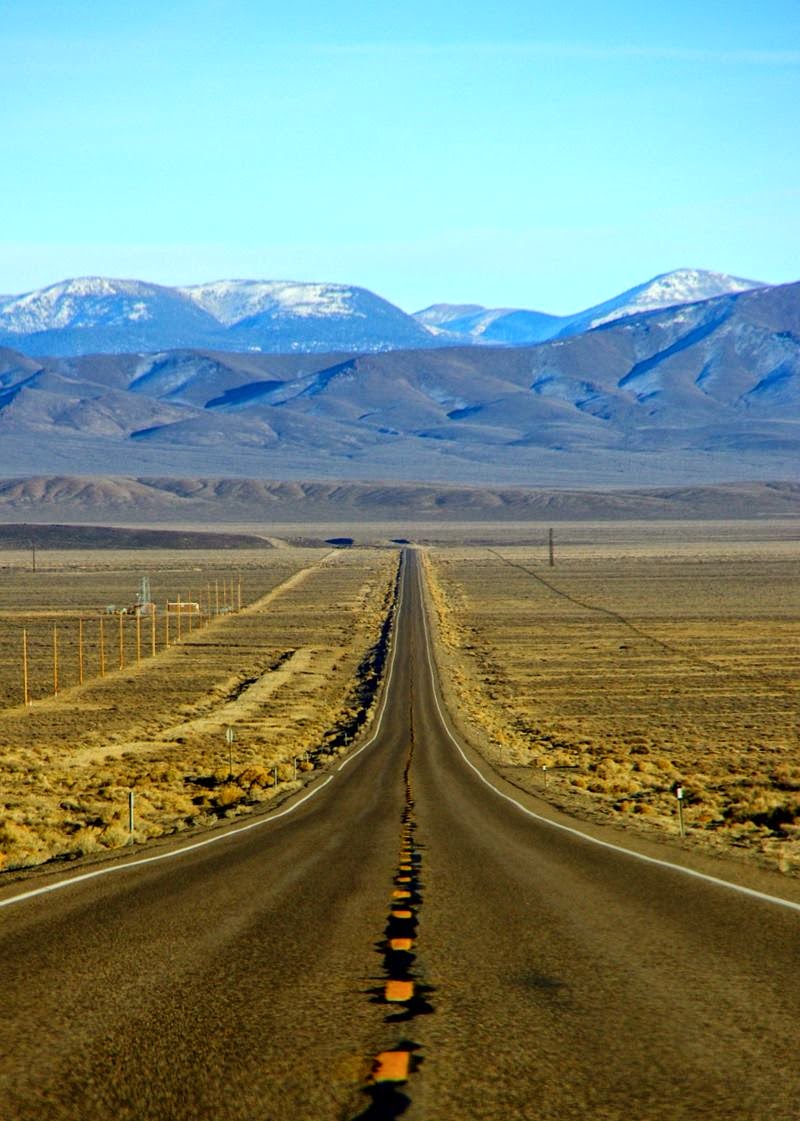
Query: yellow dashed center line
point(391, 1066)
point(398, 992)
point(401, 943)
point(394, 1066)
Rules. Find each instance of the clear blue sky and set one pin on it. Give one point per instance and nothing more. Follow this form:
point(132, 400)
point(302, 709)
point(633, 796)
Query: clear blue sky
point(519, 154)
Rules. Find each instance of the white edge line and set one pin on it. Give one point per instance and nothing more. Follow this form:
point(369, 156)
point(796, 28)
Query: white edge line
point(221, 836)
point(775, 900)
point(163, 855)
point(386, 685)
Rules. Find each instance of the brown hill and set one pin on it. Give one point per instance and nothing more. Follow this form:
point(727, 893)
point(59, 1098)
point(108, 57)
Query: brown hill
point(197, 501)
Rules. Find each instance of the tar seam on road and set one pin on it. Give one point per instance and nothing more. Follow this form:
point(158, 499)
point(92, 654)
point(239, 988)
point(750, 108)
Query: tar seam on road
point(267, 820)
point(763, 897)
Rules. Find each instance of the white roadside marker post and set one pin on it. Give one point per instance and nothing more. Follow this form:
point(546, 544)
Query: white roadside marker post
point(544, 777)
point(679, 796)
point(131, 801)
point(230, 736)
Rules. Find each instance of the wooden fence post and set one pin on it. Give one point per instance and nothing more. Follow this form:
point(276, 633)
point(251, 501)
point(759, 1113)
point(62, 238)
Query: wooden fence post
point(25, 693)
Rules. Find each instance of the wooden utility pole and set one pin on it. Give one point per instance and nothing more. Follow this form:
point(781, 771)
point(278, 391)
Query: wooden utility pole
point(180, 612)
point(550, 547)
point(138, 638)
point(25, 694)
point(80, 651)
point(166, 626)
point(33, 557)
point(239, 595)
point(102, 648)
point(153, 632)
point(55, 660)
point(121, 641)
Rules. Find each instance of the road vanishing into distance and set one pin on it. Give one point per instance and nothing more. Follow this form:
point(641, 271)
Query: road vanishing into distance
point(403, 916)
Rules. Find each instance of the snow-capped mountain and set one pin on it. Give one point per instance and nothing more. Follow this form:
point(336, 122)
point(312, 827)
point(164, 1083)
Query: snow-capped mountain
point(102, 315)
point(506, 326)
point(518, 327)
point(442, 315)
point(97, 314)
point(705, 390)
point(94, 301)
point(285, 315)
point(231, 301)
point(682, 286)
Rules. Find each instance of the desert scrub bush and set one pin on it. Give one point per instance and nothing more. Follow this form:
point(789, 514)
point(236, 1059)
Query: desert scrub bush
point(765, 810)
point(786, 777)
point(613, 785)
point(85, 841)
point(114, 836)
point(252, 777)
point(22, 846)
point(708, 815)
point(608, 768)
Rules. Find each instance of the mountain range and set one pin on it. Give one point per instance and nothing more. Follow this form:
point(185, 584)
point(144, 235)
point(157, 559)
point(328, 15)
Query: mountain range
point(699, 391)
point(101, 315)
point(516, 326)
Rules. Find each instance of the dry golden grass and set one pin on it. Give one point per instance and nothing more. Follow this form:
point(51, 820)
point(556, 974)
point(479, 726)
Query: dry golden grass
point(627, 674)
point(73, 585)
point(288, 673)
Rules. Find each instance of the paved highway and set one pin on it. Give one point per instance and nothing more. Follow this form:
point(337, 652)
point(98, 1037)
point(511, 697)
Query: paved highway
point(402, 917)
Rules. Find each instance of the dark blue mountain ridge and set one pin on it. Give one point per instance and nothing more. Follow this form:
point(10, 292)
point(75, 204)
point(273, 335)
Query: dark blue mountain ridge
point(704, 391)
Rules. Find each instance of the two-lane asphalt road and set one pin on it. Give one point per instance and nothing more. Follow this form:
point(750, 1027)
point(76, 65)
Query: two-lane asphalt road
point(537, 974)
